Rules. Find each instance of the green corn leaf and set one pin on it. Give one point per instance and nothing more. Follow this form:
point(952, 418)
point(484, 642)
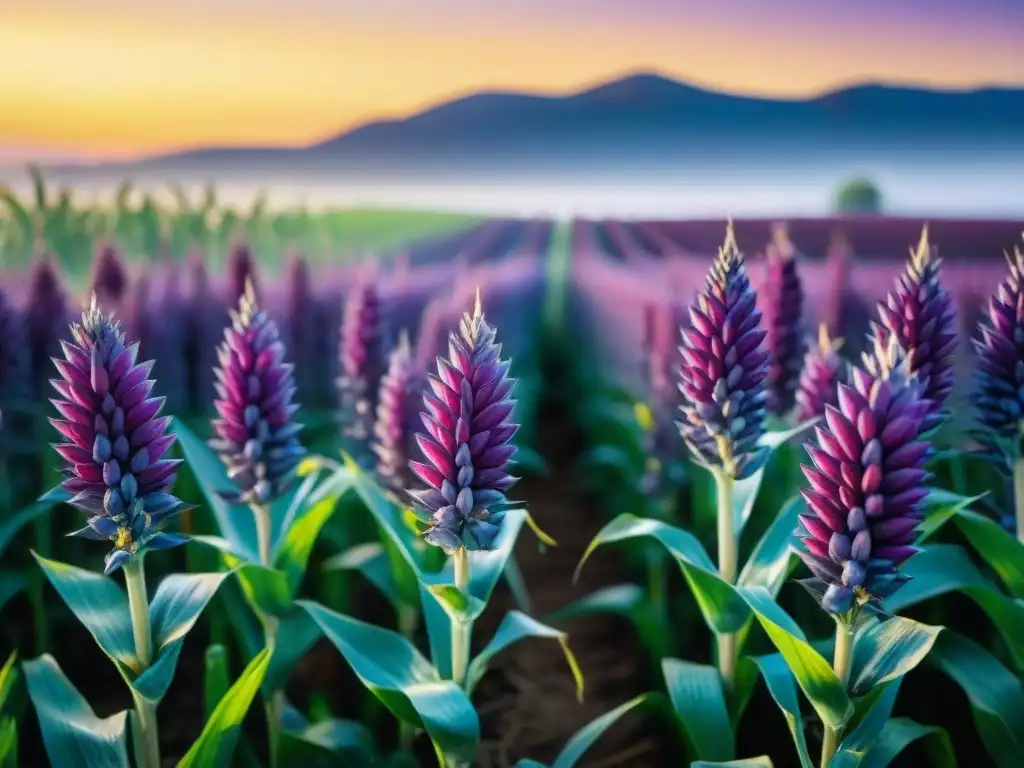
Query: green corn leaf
point(8, 675)
point(747, 762)
point(265, 588)
point(174, 610)
point(10, 585)
point(325, 743)
point(296, 543)
point(215, 678)
point(485, 568)
point(723, 608)
point(995, 694)
point(514, 627)
point(889, 649)
point(782, 687)
point(99, 603)
point(871, 714)
point(295, 504)
point(813, 674)
point(588, 735)
point(372, 562)
point(941, 506)
point(235, 523)
point(405, 682)
point(943, 568)
point(296, 634)
point(626, 600)
point(388, 515)
point(216, 744)
point(698, 699)
point(10, 526)
point(744, 492)
point(8, 742)
point(1001, 550)
point(772, 558)
point(901, 732)
point(72, 733)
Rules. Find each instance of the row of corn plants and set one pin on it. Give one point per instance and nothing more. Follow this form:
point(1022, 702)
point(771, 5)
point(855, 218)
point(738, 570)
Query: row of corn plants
point(875, 533)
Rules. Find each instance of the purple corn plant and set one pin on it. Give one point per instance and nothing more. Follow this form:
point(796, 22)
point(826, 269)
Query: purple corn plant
point(867, 484)
point(109, 277)
point(822, 373)
point(361, 357)
point(467, 445)
point(202, 325)
point(46, 318)
point(724, 368)
point(999, 378)
point(398, 388)
point(114, 441)
point(305, 322)
point(782, 299)
point(241, 271)
point(256, 437)
point(920, 314)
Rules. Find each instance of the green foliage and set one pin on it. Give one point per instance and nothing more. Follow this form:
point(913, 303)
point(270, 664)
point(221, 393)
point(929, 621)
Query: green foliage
point(858, 196)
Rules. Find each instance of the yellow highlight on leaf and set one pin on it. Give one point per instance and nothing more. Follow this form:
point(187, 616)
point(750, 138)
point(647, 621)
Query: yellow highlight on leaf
point(644, 416)
point(538, 532)
point(308, 466)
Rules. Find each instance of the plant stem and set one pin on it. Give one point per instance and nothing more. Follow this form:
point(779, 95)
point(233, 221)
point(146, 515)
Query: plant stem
point(461, 630)
point(1018, 496)
point(262, 515)
point(727, 546)
point(841, 663)
point(147, 747)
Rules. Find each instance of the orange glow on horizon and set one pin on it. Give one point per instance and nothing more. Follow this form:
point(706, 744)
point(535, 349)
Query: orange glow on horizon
point(136, 84)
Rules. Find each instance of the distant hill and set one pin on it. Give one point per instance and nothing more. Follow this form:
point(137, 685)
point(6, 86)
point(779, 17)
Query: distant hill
point(639, 123)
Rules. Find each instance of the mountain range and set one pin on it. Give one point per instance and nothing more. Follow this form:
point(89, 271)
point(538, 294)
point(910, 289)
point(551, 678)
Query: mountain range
point(644, 122)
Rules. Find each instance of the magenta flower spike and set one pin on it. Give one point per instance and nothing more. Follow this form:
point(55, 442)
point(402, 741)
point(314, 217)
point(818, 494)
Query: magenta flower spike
point(782, 298)
point(999, 378)
point(867, 484)
point(115, 441)
point(255, 435)
point(361, 359)
point(399, 388)
point(822, 373)
point(467, 446)
point(109, 277)
point(724, 368)
point(920, 313)
point(241, 271)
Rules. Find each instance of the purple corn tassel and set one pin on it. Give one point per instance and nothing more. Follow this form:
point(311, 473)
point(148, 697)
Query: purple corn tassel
point(724, 369)
point(467, 446)
point(304, 323)
point(361, 358)
point(241, 271)
point(921, 315)
point(399, 388)
point(999, 378)
point(867, 484)
point(782, 299)
point(46, 318)
point(822, 373)
point(256, 437)
point(109, 277)
point(202, 324)
point(114, 441)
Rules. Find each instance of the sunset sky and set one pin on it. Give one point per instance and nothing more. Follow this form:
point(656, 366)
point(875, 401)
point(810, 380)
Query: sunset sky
point(116, 78)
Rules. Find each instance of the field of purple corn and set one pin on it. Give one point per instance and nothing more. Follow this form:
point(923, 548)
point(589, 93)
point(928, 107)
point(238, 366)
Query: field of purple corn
point(523, 493)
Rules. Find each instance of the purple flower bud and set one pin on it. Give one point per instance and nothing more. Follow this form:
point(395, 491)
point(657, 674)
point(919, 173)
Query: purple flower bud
point(823, 370)
point(999, 378)
point(255, 435)
point(724, 368)
point(866, 484)
point(399, 388)
point(361, 358)
point(46, 318)
point(781, 298)
point(109, 277)
point(921, 316)
point(467, 445)
point(114, 441)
